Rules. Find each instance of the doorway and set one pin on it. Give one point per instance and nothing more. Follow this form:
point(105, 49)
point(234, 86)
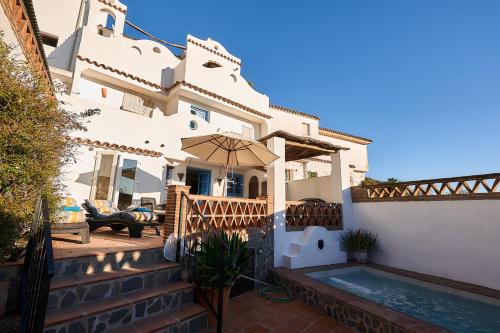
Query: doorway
point(199, 180)
point(253, 187)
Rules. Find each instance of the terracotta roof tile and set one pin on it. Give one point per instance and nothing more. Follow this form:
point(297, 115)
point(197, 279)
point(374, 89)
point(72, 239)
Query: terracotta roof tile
point(224, 99)
point(299, 113)
point(113, 6)
point(114, 146)
point(178, 83)
point(117, 71)
point(213, 51)
point(327, 131)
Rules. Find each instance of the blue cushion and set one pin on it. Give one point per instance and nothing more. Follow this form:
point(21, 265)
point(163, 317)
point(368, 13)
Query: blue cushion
point(142, 209)
point(71, 208)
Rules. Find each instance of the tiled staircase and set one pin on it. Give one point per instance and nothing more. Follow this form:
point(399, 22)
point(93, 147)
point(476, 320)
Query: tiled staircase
point(129, 291)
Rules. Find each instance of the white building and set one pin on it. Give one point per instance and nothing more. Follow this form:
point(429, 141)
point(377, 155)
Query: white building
point(151, 97)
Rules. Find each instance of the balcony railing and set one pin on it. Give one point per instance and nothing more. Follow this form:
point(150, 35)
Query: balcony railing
point(229, 213)
point(301, 214)
point(475, 187)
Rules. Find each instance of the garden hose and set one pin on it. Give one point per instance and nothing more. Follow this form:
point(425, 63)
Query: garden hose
point(277, 294)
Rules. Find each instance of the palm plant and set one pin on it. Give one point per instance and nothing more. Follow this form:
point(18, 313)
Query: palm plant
point(222, 256)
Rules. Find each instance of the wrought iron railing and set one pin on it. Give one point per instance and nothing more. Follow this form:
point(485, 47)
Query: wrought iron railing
point(474, 187)
point(301, 214)
point(196, 234)
point(38, 270)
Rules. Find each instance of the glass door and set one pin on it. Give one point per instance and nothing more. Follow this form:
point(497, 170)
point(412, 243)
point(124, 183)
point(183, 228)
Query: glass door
point(104, 176)
point(127, 183)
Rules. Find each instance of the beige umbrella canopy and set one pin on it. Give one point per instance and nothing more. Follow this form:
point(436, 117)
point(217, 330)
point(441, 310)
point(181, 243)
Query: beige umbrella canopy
point(228, 149)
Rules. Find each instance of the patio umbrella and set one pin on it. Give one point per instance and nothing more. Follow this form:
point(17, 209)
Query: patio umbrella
point(228, 149)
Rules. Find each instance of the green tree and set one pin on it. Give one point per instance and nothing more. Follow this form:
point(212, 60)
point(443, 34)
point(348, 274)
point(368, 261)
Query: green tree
point(33, 146)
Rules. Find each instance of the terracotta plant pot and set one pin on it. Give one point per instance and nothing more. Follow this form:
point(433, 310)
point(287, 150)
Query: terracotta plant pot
point(212, 294)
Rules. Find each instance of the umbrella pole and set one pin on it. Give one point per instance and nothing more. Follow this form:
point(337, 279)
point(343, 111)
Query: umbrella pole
point(224, 183)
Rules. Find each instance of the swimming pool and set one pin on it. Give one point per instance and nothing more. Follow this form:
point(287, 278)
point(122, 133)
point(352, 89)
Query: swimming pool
point(455, 310)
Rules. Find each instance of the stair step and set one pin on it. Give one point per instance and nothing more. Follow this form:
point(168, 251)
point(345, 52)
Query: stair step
point(107, 261)
point(120, 309)
point(72, 281)
point(68, 292)
point(188, 318)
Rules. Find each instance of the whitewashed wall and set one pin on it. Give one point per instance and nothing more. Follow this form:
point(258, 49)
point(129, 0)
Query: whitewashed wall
point(317, 187)
point(458, 240)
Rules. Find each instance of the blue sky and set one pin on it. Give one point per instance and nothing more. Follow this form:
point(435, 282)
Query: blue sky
point(420, 78)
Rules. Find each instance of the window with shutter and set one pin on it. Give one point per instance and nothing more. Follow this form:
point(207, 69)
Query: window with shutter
point(306, 129)
point(202, 113)
point(136, 104)
point(247, 132)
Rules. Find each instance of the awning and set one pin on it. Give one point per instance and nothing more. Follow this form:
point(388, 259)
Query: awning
point(302, 147)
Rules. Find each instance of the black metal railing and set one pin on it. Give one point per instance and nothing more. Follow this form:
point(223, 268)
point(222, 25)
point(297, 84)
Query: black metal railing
point(38, 270)
point(200, 248)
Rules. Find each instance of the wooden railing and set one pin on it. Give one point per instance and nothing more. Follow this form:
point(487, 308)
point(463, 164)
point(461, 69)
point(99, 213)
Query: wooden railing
point(229, 213)
point(475, 187)
point(301, 214)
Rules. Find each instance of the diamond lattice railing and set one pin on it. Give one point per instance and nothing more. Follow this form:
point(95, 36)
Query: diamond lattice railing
point(301, 214)
point(458, 188)
point(228, 213)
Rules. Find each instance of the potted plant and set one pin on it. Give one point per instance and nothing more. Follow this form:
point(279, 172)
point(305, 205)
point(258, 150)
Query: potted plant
point(349, 242)
point(359, 243)
point(222, 256)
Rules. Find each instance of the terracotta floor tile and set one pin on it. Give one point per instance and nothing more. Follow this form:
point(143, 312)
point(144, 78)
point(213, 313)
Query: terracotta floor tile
point(269, 322)
point(342, 329)
point(103, 241)
point(327, 321)
point(288, 328)
point(308, 314)
point(252, 313)
point(257, 329)
point(317, 328)
point(299, 323)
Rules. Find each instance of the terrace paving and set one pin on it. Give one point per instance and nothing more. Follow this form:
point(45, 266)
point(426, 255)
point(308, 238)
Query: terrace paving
point(103, 241)
point(251, 313)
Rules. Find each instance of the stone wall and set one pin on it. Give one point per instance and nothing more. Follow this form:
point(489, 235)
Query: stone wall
point(261, 241)
point(10, 279)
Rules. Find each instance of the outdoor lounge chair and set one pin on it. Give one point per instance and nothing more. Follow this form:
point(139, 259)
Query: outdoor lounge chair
point(102, 213)
point(71, 220)
point(158, 210)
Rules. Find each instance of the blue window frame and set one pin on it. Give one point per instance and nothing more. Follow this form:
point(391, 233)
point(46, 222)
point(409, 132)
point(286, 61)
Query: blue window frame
point(234, 186)
point(202, 113)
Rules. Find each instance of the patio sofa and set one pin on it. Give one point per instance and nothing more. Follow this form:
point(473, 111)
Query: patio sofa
point(101, 213)
point(71, 220)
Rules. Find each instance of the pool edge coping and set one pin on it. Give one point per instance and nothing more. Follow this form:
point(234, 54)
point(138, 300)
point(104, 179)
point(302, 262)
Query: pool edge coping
point(401, 320)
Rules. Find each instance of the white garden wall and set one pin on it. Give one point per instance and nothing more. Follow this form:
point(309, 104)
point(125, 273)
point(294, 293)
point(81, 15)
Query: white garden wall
point(458, 240)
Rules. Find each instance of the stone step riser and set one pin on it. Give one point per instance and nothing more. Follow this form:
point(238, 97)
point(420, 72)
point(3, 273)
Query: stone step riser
point(82, 294)
point(195, 324)
point(100, 322)
point(107, 262)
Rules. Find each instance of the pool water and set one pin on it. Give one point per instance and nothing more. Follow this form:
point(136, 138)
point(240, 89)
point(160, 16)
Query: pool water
point(455, 313)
